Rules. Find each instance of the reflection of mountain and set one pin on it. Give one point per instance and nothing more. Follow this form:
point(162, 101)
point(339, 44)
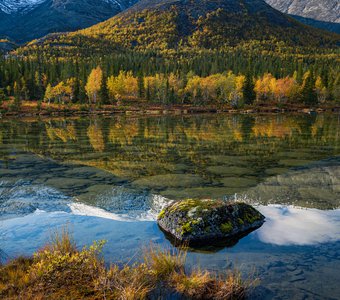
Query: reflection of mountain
point(176, 156)
point(296, 226)
point(316, 186)
point(50, 187)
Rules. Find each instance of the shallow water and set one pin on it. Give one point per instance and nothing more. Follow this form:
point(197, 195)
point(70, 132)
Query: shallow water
point(107, 178)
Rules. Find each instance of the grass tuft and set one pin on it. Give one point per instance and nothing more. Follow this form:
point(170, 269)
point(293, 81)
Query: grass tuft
point(196, 285)
point(61, 271)
point(162, 263)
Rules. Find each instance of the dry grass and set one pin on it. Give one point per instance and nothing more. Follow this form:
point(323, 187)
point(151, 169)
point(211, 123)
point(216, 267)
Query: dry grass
point(128, 282)
point(61, 271)
point(162, 262)
point(231, 287)
point(62, 241)
point(14, 276)
point(196, 285)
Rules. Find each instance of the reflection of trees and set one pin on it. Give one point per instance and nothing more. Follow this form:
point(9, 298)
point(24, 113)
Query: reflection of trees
point(275, 127)
point(123, 134)
point(155, 145)
point(64, 131)
point(96, 138)
point(247, 126)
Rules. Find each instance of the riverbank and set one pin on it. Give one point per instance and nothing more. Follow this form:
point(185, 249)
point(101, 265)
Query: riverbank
point(61, 271)
point(34, 108)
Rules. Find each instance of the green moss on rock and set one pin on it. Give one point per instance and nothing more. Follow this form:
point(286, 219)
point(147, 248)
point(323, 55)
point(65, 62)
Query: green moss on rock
point(188, 227)
point(161, 214)
point(226, 227)
point(198, 221)
point(191, 204)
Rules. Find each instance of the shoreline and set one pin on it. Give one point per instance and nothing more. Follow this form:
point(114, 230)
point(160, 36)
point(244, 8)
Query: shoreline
point(29, 109)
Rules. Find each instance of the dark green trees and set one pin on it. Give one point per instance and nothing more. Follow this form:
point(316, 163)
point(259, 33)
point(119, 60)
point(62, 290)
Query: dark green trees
point(249, 95)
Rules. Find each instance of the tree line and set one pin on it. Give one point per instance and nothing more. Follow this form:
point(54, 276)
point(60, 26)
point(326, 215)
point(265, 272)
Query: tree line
point(217, 89)
point(200, 79)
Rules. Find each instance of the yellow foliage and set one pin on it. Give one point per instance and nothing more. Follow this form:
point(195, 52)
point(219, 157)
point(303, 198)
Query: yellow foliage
point(94, 83)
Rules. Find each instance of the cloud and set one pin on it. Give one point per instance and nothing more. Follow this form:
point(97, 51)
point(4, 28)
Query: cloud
point(288, 225)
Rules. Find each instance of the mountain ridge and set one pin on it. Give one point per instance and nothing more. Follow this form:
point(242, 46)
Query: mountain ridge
point(205, 24)
point(324, 14)
point(25, 20)
point(57, 16)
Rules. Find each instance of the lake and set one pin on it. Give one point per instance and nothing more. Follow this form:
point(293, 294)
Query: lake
point(108, 178)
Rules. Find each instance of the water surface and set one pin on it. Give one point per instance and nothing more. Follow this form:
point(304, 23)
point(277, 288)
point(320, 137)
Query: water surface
point(107, 178)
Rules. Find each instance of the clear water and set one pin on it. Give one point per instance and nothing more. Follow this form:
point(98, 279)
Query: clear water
point(107, 178)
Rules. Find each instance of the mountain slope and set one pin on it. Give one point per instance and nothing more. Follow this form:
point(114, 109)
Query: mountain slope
point(24, 20)
point(15, 6)
point(169, 24)
point(320, 13)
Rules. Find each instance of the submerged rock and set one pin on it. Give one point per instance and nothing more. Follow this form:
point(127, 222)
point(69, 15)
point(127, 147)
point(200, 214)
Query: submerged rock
point(197, 222)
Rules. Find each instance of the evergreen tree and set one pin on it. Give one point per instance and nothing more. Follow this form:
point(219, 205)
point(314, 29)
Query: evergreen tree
point(103, 92)
point(2, 96)
point(76, 91)
point(308, 92)
point(249, 95)
point(141, 88)
point(148, 93)
point(17, 99)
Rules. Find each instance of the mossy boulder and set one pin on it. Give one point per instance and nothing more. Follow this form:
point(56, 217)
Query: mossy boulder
point(204, 222)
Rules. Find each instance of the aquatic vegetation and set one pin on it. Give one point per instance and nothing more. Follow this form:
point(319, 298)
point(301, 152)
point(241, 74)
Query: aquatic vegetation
point(61, 271)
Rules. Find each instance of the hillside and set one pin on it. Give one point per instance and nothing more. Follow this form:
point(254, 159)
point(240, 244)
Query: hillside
point(24, 20)
point(324, 14)
point(180, 24)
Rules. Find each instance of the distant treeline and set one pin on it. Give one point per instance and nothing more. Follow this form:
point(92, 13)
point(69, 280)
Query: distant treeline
point(237, 77)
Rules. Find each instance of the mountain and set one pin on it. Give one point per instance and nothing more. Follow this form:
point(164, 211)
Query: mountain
point(324, 14)
point(14, 6)
point(214, 24)
point(24, 20)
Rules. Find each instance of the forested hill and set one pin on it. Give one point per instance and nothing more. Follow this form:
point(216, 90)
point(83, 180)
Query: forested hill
point(161, 45)
point(196, 24)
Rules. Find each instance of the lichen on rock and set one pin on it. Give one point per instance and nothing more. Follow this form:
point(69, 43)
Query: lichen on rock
point(208, 221)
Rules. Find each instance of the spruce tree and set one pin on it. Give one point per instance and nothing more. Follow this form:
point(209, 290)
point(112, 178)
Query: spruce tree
point(141, 88)
point(249, 95)
point(308, 92)
point(103, 92)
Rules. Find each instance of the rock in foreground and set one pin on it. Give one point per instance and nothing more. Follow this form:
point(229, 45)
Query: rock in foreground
point(196, 222)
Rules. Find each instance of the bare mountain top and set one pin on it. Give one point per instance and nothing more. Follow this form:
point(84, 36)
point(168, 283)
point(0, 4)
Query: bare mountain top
point(320, 13)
